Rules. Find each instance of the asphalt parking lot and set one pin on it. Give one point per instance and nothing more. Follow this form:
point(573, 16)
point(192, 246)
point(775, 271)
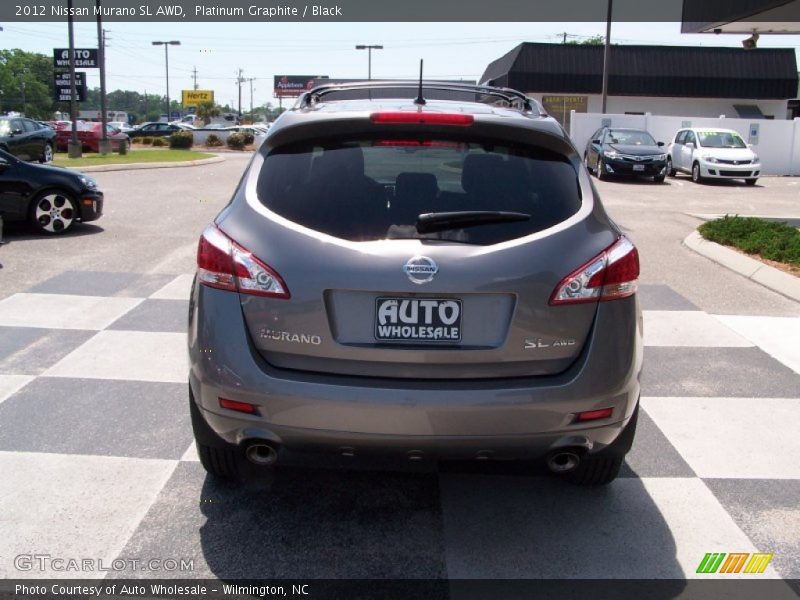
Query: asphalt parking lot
point(97, 453)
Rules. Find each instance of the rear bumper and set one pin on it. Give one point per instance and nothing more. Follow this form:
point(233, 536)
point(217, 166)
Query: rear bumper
point(507, 418)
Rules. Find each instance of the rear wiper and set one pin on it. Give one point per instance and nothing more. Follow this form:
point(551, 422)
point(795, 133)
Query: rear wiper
point(442, 221)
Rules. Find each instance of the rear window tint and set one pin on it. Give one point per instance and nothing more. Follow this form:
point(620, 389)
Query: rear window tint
point(375, 189)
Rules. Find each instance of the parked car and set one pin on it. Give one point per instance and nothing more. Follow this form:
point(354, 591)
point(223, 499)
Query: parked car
point(433, 279)
point(121, 125)
point(27, 139)
point(155, 130)
point(710, 153)
point(89, 134)
point(619, 151)
point(51, 199)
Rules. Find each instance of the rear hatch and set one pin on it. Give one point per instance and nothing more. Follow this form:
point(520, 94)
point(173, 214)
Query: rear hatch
point(365, 286)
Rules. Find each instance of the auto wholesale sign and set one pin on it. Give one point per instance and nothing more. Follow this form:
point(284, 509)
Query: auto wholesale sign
point(195, 97)
point(63, 90)
point(294, 85)
point(85, 58)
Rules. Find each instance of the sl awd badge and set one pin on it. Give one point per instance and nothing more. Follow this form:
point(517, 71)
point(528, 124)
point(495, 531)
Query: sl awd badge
point(420, 269)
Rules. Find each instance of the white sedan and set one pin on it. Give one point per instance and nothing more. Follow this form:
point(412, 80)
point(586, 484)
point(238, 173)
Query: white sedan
point(712, 154)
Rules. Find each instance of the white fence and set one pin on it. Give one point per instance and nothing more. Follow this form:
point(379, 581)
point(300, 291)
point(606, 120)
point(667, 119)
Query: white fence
point(777, 143)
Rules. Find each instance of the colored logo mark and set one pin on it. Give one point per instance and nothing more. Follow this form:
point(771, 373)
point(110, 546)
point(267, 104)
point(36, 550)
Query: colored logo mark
point(735, 562)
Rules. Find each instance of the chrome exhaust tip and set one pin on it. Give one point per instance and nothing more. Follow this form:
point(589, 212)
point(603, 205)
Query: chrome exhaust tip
point(261, 454)
point(563, 461)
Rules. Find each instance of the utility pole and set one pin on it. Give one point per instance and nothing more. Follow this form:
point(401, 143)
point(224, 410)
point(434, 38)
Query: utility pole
point(369, 49)
point(251, 80)
point(239, 81)
point(194, 76)
point(606, 57)
point(104, 146)
point(73, 146)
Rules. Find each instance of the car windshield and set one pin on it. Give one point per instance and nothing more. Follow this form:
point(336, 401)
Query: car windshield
point(630, 138)
point(376, 189)
point(720, 139)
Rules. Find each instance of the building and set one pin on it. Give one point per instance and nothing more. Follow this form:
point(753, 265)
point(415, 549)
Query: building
point(662, 80)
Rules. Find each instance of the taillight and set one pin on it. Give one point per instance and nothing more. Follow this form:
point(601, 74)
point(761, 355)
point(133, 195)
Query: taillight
point(610, 275)
point(593, 415)
point(421, 117)
point(245, 407)
point(224, 264)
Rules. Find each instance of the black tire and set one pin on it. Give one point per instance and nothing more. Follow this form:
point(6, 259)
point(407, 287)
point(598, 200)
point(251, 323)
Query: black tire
point(670, 169)
point(47, 153)
point(751, 181)
point(659, 178)
point(602, 468)
point(53, 212)
point(586, 162)
point(219, 458)
point(696, 177)
point(602, 174)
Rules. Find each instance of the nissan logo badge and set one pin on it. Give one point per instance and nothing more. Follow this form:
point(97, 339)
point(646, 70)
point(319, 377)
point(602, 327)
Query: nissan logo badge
point(420, 269)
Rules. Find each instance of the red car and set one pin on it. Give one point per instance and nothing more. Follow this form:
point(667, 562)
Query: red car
point(89, 134)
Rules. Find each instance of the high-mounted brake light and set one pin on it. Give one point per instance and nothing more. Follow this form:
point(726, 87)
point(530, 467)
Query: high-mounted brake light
point(225, 265)
point(422, 118)
point(610, 275)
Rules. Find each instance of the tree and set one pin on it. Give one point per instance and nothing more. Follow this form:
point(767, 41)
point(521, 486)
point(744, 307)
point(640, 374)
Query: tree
point(26, 83)
point(595, 40)
point(206, 111)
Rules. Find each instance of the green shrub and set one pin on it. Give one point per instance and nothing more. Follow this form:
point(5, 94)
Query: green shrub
point(249, 138)
point(236, 141)
point(159, 141)
point(147, 140)
point(770, 240)
point(181, 140)
point(213, 141)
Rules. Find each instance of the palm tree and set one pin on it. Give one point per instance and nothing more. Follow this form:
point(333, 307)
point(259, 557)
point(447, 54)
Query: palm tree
point(206, 111)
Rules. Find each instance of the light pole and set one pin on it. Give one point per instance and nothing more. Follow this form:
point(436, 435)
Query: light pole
point(369, 50)
point(166, 61)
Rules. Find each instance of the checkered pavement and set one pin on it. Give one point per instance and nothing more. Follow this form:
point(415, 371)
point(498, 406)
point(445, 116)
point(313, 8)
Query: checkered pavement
point(97, 460)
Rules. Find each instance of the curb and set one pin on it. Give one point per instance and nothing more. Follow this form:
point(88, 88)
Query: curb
point(792, 221)
point(770, 277)
point(155, 165)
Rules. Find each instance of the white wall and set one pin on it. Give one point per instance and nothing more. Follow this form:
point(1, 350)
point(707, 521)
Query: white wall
point(778, 144)
point(697, 107)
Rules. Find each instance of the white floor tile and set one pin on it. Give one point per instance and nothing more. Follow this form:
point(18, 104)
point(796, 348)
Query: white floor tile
point(748, 438)
point(62, 311)
point(777, 336)
point(177, 289)
point(191, 454)
point(688, 328)
point(128, 355)
point(73, 507)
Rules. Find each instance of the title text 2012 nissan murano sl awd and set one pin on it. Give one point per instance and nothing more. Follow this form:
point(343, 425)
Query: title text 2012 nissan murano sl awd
point(420, 273)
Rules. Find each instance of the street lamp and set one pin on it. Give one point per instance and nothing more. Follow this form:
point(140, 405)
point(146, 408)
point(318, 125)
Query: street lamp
point(369, 50)
point(166, 60)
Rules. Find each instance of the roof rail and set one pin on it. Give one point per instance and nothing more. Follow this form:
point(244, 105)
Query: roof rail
point(514, 98)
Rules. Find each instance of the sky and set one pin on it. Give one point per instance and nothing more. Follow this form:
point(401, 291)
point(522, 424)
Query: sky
point(262, 50)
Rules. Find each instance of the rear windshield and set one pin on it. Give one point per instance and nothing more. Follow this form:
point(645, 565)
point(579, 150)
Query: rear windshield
point(376, 189)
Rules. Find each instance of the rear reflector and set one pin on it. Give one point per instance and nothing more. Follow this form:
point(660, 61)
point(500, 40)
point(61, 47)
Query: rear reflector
point(225, 265)
point(243, 407)
point(424, 118)
point(593, 415)
point(610, 275)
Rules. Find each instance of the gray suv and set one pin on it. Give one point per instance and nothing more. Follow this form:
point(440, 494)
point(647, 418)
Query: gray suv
point(422, 273)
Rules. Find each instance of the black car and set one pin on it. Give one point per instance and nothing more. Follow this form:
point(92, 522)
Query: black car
point(27, 139)
point(155, 130)
point(50, 198)
point(616, 151)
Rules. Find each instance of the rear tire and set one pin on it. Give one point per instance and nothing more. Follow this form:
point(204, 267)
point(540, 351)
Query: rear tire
point(751, 181)
point(659, 178)
point(219, 458)
point(47, 154)
point(603, 467)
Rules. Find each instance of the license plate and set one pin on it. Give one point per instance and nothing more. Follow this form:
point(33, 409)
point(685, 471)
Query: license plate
point(638, 167)
point(418, 320)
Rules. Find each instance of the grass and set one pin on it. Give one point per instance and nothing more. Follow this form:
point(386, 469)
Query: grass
point(772, 241)
point(133, 156)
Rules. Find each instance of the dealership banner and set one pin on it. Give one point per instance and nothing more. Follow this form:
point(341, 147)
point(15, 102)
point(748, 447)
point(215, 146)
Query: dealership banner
point(195, 97)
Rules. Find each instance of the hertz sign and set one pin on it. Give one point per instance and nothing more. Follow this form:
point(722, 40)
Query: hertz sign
point(195, 97)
